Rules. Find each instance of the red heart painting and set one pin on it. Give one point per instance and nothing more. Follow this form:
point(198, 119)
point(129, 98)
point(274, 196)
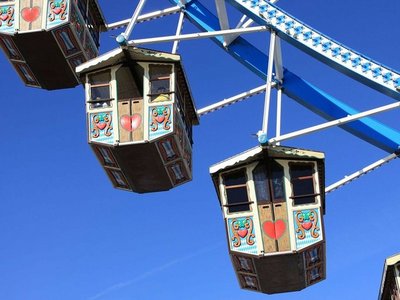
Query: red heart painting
point(306, 225)
point(242, 232)
point(57, 10)
point(160, 119)
point(130, 123)
point(30, 14)
point(101, 126)
point(274, 229)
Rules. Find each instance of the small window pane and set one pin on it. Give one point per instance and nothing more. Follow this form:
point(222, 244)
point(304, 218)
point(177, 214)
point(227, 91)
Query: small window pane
point(235, 178)
point(314, 257)
point(235, 196)
point(67, 41)
point(302, 183)
point(261, 183)
point(169, 150)
point(250, 282)
point(245, 264)
point(100, 92)
point(236, 191)
point(278, 186)
point(314, 274)
point(100, 78)
point(157, 71)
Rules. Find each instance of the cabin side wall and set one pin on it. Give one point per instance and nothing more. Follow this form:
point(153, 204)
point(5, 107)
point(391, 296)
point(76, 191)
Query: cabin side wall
point(303, 235)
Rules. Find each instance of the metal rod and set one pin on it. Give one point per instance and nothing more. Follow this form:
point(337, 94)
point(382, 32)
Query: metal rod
point(278, 60)
point(123, 37)
point(178, 31)
point(222, 17)
point(199, 35)
point(231, 100)
point(262, 136)
point(241, 22)
point(145, 17)
point(333, 123)
point(361, 172)
point(232, 37)
point(278, 113)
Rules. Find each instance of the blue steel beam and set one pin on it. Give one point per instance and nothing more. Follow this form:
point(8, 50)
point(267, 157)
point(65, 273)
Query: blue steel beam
point(296, 88)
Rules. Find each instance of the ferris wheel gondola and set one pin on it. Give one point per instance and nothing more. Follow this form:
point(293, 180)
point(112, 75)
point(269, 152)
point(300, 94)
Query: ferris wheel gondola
point(45, 40)
point(140, 114)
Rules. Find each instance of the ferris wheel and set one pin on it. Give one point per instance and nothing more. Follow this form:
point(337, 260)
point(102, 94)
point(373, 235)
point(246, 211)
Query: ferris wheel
point(155, 116)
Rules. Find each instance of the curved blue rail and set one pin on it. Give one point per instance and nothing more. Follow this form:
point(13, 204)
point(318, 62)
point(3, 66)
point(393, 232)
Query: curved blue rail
point(298, 89)
point(322, 47)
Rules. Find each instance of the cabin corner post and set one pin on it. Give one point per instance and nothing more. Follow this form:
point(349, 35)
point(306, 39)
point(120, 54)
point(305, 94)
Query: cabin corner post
point(255, 210)
point(114, 102)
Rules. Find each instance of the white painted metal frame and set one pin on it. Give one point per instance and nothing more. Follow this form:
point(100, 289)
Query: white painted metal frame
point(223, 18)
point(262, 134)
point(231, 100)
point(333, 123)
point(123, 37)
point(178, 32)
point(192, 36)
point(145, 17)
point(361, 172)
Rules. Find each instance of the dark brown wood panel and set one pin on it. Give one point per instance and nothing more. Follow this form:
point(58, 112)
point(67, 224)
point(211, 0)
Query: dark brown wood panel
point(45, 59)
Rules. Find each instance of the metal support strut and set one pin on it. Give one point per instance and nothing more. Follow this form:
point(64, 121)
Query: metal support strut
point(123, 37)
point(262, 134)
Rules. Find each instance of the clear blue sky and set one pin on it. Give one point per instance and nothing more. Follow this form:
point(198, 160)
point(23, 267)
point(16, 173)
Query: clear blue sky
point(67, 234)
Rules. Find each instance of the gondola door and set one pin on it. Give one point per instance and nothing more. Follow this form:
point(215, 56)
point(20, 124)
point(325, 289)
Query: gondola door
point(131, 120)
point(130, 103)
point(272, 207)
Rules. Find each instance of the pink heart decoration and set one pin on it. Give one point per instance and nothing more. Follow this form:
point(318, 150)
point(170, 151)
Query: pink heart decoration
point(30, 14)
point(130, 123)
point(242, 232)
point(3, 17)
point(306, 225)
point(274, 229)
point(101, 126)
point(160, 119)
point(57, 10)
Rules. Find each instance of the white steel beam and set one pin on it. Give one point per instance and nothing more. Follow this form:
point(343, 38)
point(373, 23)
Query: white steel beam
point(241, 21)
point(278, 113)
point(361, 172)
point(199, 35)
point(222, 17)
point(262, 135)
point(278, 60)
point(123, 37)
point(232, 37)
point(231, 100)
point(145, 17)
point(334, 122)
point(178, 31)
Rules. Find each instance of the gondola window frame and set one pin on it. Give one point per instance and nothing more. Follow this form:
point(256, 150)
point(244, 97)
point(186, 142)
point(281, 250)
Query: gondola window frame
point(100, 102)
point(233, 206)
point(301, 182)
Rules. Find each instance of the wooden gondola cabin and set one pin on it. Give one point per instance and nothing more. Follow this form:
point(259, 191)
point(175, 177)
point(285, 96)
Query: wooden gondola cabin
point(272, 199)
point(140, 115)
point(390, 283)
point(46, 39)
